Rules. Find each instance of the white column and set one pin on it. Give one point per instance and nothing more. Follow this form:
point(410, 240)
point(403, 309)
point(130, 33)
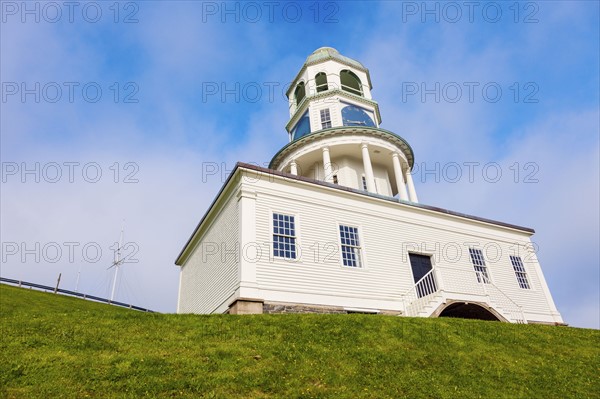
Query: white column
point(249, 253)
point(412, 194)
point(327, 166)
point(399, 178)
point(369, 177)
point(294, 168)
point(334, 81)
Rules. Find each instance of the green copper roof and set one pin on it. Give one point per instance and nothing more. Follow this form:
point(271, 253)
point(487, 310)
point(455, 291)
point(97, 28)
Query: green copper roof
point(324, 53)
point(341, 130)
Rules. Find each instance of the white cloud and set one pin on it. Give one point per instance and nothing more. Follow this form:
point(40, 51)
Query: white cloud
point(170, 133)
point(560, 140)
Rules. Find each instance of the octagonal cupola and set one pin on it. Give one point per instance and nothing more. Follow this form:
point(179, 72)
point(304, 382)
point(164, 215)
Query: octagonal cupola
point(334, 132)
point(330, 90)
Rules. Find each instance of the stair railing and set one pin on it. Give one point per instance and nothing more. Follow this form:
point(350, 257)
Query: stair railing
point(459, 281)
point(417, 296)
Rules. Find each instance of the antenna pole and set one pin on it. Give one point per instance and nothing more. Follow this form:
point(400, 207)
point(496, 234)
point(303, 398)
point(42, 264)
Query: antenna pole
point(112, 295)
point(117, 262)
point(57, 283)
point(77, 282)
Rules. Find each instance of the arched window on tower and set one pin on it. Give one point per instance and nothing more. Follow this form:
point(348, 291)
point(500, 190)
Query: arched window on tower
point(321, 82)
point(350, 82)
point(299, 93)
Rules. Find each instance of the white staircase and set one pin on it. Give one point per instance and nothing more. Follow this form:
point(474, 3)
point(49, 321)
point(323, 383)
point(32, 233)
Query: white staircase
point(443, 284)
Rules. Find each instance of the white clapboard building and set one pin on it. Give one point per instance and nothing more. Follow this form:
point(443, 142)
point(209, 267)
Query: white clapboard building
point(334, 225)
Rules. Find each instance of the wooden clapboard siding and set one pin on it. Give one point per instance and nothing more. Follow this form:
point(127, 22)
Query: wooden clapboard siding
point(388, 231)
point(208, 279)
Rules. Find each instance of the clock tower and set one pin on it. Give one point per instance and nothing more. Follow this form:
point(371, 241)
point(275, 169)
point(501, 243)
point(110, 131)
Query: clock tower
point(333, 225)
point(334, 133)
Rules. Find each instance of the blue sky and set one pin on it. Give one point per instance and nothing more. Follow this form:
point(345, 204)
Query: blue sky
point(167, 56)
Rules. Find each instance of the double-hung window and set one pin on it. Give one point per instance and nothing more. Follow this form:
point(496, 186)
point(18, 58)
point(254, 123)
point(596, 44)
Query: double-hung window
point(351, 249)
point(520, 273)
point(479, 265)
point(325, 118)
point(284, 236)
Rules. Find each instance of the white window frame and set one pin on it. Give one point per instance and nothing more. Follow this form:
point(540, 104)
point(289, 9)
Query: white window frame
point(361, 252)
point(295, 237)
point(350, 89)
point(327, 83)
point(520, 275)
point(325, 122)
point(365, 186)
point(484, 274)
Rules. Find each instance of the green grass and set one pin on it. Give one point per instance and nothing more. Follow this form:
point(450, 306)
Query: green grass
point(60, 347)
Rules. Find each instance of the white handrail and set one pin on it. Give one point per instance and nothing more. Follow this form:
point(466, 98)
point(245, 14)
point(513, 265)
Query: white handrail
point(419, 281)
point(496, 295)
point(416, 298)
point(452, 280)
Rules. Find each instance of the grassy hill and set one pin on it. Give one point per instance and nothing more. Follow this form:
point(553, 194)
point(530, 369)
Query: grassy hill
point(59, 347)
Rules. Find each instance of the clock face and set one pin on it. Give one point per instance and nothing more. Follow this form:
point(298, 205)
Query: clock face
point(356, 116)
point(302, 127)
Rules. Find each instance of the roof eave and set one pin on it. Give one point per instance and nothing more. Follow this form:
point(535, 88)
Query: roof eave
point(311, 135)
point(179, 259)
point(240, 165)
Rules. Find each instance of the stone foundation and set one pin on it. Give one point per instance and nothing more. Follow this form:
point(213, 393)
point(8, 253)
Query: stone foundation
point(282, 307)
point(274, 307)
point(258, 306)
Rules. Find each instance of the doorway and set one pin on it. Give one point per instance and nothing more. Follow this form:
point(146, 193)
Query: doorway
point(421, 265)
